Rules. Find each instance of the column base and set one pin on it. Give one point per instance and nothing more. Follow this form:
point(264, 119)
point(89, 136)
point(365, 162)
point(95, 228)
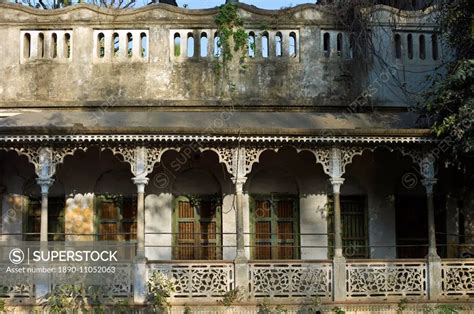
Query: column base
point(339, 278)
point(434, 277)
point(241, 275)
point(140, 292)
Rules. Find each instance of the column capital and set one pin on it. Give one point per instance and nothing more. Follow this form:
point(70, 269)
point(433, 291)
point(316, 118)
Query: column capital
point(239, 184)
point(140, 182)
point(45, 184)
point(336, 184)
point(429, 183)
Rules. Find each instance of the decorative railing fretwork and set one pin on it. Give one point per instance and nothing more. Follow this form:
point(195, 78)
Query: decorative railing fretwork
point(386, 279)
point(291, 280)
point(457, 278)
point(196, 280)
point(106, 287)
point(17, 287)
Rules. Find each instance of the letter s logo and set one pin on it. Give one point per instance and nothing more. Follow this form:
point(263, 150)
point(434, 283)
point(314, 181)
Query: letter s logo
point(16, 256)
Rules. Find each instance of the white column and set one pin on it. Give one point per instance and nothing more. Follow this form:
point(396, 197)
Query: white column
point(44, 171)
point(239, 178)
point(434, 261)
point(45, 184)
point(241, 256)
point(428, 184)
point(339, 262)
point(141, 180)
point(336, 188)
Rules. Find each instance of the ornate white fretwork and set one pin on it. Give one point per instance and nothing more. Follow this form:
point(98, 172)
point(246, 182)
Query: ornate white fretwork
point(198, 280)
point(334, 159)
point(310, 140)
point(141, 159)
point(291, 280)
point(16, 287)
point(243, 159)
point(372, 280)
point(59, 153)
point(116, 284)
point(457, 278)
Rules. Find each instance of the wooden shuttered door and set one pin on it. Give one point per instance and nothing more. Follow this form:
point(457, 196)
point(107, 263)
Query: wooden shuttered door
point(354, 227)
point(197, 228)
point(55, 219)
point(116, 218)
point(275, 227)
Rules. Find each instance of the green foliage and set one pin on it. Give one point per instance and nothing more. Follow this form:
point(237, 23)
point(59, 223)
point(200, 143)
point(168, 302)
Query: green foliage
point(265, 308)
point(449, 104)
point(442, 309)
point(78, 298)
point(314, 305)
point(187, 309)
point(64, 299)
point(402, 306)
point(455, 21)
point(160, 287)
point(232, 297)
point(233, 38)
point(2, 306)
point(338, 310)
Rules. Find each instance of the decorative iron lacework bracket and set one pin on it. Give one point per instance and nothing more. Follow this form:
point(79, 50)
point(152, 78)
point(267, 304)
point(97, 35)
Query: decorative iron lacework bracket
point(238, 160)
point(335, 159)
point(141, 159)
point(423, 159)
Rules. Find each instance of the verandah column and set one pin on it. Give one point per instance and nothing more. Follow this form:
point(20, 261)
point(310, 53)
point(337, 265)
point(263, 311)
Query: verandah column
point(336, 189)
point(44, 171)
point(140, 170)
point(239, 183)
point(336, 170)
point(239, 179)
point(434, 261)
point(45, 184)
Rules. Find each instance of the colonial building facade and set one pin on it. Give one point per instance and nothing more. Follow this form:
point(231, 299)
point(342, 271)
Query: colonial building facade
point(309, 181)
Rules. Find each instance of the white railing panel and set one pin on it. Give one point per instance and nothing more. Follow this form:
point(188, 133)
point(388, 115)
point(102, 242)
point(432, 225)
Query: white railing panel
point(303, 279)
point(197, 280)
point(386, 279)
point(457, 278)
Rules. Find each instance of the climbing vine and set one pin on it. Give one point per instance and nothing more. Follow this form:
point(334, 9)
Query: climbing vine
point(232, 39)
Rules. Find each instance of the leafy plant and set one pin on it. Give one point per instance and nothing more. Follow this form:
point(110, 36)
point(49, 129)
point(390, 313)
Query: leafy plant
point(264, 308)
point(232, 297)
point(187, 309)
point(160, 288)
point(338, 310)
point(2, 306)
point(449, 104)
point(65, 298)
point(233, 38)
point(402, 306)
point(314, 305)
point(280, 309)
point(121, 307)
point(447, 309)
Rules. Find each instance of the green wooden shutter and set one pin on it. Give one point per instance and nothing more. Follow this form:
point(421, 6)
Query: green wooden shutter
point(197, 228)
point(55, 219)
point(107, 210)
point(274, 226)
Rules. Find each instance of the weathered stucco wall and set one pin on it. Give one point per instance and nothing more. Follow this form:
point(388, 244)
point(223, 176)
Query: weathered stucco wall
point(313, 77)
